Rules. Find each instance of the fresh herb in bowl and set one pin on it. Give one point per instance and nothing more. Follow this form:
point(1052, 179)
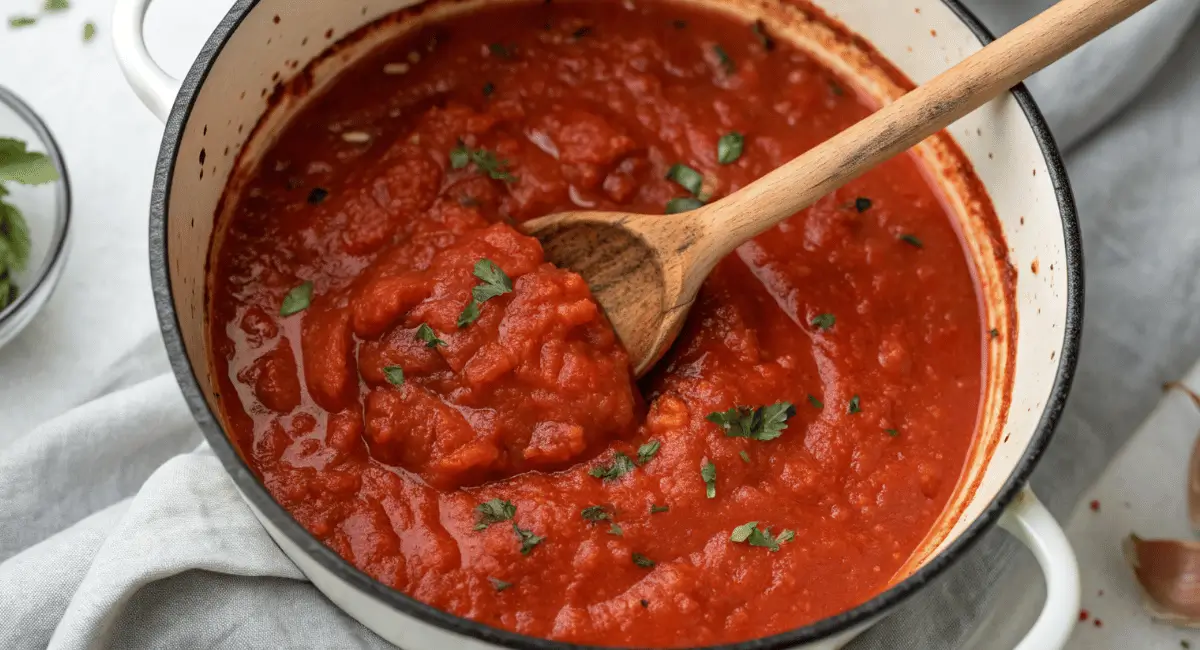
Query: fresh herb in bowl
point(17, 165)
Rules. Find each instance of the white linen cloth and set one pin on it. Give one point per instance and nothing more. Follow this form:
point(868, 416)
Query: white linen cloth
point(119, 529)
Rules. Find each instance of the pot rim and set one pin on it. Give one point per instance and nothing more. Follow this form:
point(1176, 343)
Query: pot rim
point(255, 492)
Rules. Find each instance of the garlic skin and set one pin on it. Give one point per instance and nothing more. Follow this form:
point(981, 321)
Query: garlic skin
point(1168, 572)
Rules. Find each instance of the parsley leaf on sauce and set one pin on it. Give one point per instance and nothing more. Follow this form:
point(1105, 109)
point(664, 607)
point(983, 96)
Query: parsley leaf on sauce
point(488, 89)
point(815, 402)
point(708, 472)
point(750, 533)
point(425, 333)
point(317, 195)
point(616, 530)
point(744, 455)
point(647, 451)
point(760, 30)
point(493, 512)
point(729, 147)
point(891, 432)
point(862, 204)
point(762, 423)
point(485, 161)
point(499, 584)
point(620, 466)
point(595, 514)
point(688, 178)
point(501, 51)
point(655, 509)
point(395, 375)
point(912, 240)
point(528, 539)
point(683, 204)
point(495, 283)
point(297, 300)
point(724, 59)
point(824, 321)
point(642, 561)
point(854, 407)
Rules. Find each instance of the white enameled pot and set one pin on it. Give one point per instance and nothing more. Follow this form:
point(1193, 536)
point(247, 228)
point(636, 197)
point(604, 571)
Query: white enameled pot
point(211, 133)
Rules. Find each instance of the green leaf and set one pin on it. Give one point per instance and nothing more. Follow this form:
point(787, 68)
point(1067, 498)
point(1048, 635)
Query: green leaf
point(749, 532)
point(744, 455)
point(425, 333)
point(763, 538)
point(395, 375)
point(595, 514)
point(642, 561)
point(488, 163)
point(528, 539)
point(824, 321)
point(854, 407)
point(708, 472)
point(488, 89)
point(493, 511)
point(786, 536)
point(297, 300)
point(724, 59)
point(495, 282)
point(57, 5)
point(912, 240)
point(862, 204)
point(616, 530)
point(760, 31)
point(686, 177)
point(655, 509)
point(499, 584)
point(460, 156)
point(683, 204)
point(994, 333)
point(762, 423)
point(815, 402)
point(620, 466)
point(729, 147)
point(742, 533)
point(647, 451)
point(469, 314)
point(15, 234)
point(26, 167)
point(6, 292)
point(501, 51)
point(89, 31)
point(891, 432)
point(17, 22)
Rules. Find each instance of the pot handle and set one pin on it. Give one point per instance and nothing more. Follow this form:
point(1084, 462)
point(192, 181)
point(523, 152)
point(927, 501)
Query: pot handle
point(1033, 525)
point(152, 84)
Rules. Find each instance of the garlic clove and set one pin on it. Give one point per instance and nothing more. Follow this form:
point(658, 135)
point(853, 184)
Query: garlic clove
point(1168, 572)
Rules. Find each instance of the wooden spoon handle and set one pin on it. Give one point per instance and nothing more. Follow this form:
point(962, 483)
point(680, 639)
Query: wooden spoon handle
point(908, 120)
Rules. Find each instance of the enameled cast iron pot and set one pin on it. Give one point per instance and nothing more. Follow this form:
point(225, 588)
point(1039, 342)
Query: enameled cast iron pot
point(210, 118)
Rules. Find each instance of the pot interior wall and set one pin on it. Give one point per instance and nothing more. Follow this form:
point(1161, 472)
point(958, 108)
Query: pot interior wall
point(277, 39)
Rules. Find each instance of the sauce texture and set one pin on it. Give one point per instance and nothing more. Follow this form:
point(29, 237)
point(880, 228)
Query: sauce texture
point(516, 474)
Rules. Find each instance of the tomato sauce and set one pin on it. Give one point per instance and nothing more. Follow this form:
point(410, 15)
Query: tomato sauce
point(471, 434)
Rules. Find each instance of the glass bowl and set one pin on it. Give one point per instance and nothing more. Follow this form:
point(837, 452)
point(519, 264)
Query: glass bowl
point(47, 212)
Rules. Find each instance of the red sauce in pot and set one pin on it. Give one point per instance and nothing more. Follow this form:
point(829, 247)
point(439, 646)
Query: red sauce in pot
point(453, 414)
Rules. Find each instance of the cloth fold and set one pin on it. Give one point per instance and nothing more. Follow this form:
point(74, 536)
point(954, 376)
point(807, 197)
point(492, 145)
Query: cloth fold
point(118, 530)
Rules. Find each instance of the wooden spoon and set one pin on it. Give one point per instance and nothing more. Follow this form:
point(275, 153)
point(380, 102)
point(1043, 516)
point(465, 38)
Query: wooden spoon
point(645, 270)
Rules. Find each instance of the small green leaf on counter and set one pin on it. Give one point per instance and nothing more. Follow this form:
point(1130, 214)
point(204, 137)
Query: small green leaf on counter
point(425, 333)
point(297, 300)
point(89, 31)
point(528, 539)
point(854, 407)
point(57, 5)
point(912, 240)
point(647, 451)
point(683, 204)
point(824, 321)
point(708, 472)
point(862, 204)
point(655, 509)
point(891, 432)
point(394, 375)
point(724, 59)
point(595, 514)
point(815, 402)
point(499, 584)
point(620, 466)
point(760, 30)
point(642, 561)
point(744, 455)
point(686, 177)
point(762, 423)
point(616, 530)
point(17, 22)
point(729, 147)
point(493, 511)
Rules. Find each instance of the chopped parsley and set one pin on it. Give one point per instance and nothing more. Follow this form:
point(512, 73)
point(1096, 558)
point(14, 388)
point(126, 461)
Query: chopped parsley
point(17, 22)
point(495, 283)
point(488, 89)
point(395, 375)
point(616, 530)
point(501, 51)
point(812, 399)
point(499, 584)
point(708, 472)
point(683, 204)
point(655, 509)
point(762, 423)
point(724, 59)
point(750, 533)
point(317, 195)
point(485, 161)
point(297, 300)
point(528, 539)
point(862, 204)
point(760, 30)
point(425, 333)
point(595, 514)
point(620, 466)
point(642, 561)
point(493, 512)
point(89, 31)
point(729, 147)
point(854, 407)
point(891, 432)
point(744, 455)
point(824, 321)
point(686, 177)
point(57, 5)
point(647, 451)
point(912, 240)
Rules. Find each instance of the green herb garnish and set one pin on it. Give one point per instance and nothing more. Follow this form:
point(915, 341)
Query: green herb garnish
point(499, 584)
point(17, 22)
point(528, 539)
point(297, 300)
point(485, 161)
point(395, 375)
point(595, 514)
point(647, 451)
point(824, 321)
point(616, 530)
point(994, 332)
point(762, 423)
point(89, 31)
point(912, 240)
point(501, 51)
point(620, 466)
point(729, 147)
point(744, 455)
point(812, 399)
point(891, 432)
point(862, 204)
point(642, 561)
point(749, 532)
point(683, 204)
point(708, 472)
point(654, 509)
point(724, 59)
point(493, 511)
point(688, 178)
point(760, 30)
point(57, 5)
point(854, 408)
point(488, 89)
point(495, 283)
point(425, 333)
